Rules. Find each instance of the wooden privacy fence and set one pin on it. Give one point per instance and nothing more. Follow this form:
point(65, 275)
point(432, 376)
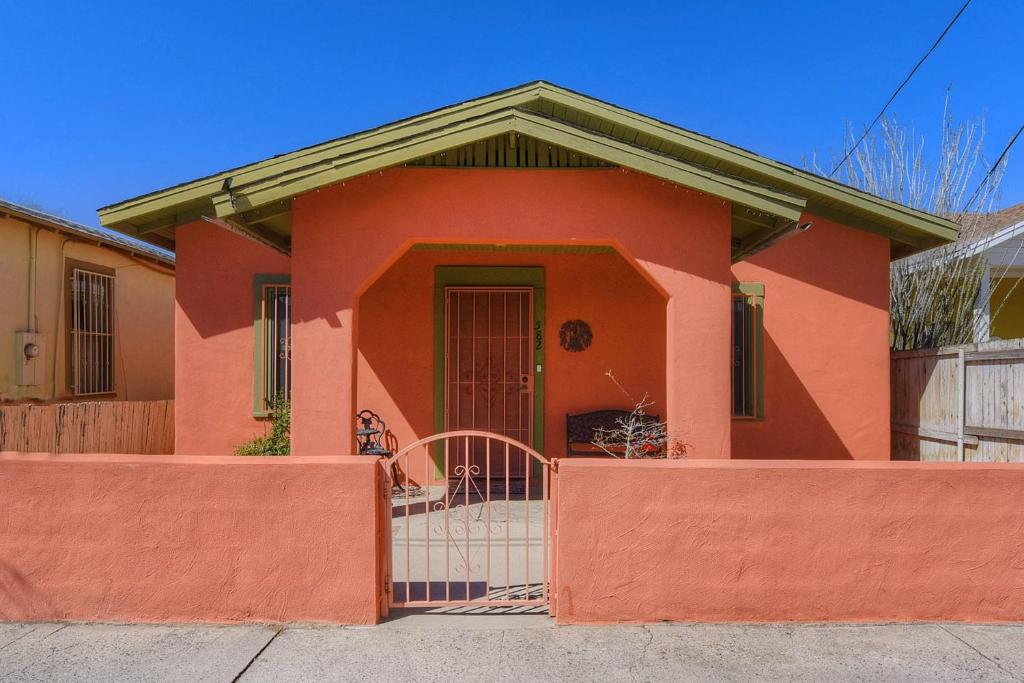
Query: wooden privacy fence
point(959, 403)
point(92, 427)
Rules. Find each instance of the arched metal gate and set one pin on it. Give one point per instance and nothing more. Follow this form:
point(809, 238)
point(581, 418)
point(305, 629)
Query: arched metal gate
point(471, 522)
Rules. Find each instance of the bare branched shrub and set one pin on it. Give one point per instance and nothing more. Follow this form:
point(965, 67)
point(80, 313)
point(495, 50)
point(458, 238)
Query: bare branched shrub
point(638, 435)
point(932, 294)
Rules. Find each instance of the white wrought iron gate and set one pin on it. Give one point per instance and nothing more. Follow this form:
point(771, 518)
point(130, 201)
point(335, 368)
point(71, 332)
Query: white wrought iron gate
point(478, 536)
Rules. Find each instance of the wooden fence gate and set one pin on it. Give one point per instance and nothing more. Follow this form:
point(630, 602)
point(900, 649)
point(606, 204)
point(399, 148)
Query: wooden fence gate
point(959, 403)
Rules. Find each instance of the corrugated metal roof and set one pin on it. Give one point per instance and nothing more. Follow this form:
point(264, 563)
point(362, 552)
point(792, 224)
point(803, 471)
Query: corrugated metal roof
point(102, 235)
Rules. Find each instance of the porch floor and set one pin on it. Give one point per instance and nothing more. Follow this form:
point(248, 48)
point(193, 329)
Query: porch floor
point(468, 545)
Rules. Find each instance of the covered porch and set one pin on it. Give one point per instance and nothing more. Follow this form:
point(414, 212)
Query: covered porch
point(396, 306)
point(508, 339)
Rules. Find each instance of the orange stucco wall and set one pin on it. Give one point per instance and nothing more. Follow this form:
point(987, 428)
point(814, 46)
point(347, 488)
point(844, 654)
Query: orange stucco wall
point(184, 539)
point(363, 311)
point(789, 541)
point(213, 333)
point(626, 314)
point(345, 235)
point(826, 347)
point(136, 538)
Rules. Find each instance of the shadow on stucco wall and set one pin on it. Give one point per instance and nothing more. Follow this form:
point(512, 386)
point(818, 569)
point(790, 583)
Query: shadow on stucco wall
point(794, 425)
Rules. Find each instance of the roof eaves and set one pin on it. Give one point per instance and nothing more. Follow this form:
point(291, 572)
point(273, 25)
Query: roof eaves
point(395, 151)
point(108, 238)
point(997, 238)
point(805, 180)
point(531, 89)
point(776, 173)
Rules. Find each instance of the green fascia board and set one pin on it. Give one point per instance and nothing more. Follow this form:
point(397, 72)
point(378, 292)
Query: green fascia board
point(915, 239)
point(205, 187)
point(706, 180)
point(736, 190)
point(491, 276)
point(799, 181)
point(779, 176)
point(337, 169)
point(259, 281)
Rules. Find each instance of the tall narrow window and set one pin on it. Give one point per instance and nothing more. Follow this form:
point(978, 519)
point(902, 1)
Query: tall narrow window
point(273, 342)
point(90, 348)
point(747, 343)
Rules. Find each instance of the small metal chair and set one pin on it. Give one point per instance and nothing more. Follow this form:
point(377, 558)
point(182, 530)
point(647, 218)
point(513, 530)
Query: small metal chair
point(371, 433)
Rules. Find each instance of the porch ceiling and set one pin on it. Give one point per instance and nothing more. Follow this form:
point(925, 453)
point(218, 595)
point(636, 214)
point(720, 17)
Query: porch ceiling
point(767, 196)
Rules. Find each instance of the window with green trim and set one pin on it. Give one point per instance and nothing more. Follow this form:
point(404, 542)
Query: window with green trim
point(273, 354)
point(747, 347)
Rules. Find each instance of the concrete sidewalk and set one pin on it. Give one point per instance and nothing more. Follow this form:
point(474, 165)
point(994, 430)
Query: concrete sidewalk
point(530, 648)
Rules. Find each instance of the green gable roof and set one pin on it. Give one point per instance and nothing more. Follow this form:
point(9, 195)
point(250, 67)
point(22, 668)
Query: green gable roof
point(765, 194)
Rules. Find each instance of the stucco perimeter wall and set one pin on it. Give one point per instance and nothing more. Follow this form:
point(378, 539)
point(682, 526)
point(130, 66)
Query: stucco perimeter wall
point(188, 539)
point(789, 541)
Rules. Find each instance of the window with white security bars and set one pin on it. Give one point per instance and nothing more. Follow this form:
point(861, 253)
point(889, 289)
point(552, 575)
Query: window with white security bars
point(91, 331)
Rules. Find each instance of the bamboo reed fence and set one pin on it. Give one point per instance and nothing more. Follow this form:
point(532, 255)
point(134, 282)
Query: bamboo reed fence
point(959, 403)
point(143, 427)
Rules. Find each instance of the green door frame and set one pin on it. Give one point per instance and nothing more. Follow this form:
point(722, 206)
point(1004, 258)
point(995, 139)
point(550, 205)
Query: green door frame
point(491, 276)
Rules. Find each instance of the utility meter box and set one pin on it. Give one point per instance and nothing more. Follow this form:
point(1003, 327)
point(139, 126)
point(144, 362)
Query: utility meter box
point(28, 359)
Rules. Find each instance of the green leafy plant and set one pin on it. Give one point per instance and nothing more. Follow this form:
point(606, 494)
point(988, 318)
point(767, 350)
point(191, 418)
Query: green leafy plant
point(278, 442)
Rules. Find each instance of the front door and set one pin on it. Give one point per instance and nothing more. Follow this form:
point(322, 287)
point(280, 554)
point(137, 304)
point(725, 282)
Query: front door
point(489, 363)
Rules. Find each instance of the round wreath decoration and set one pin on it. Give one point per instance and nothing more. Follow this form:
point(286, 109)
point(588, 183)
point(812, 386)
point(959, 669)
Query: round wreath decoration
point(575, 336)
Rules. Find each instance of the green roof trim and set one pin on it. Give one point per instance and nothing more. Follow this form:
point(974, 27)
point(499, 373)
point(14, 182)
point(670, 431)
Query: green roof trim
point(549, 113)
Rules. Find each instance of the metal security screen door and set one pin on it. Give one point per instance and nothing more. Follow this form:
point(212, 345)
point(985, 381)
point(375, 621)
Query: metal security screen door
point(489, 381)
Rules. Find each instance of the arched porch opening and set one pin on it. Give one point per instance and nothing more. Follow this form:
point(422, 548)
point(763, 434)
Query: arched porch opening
point(463, 336)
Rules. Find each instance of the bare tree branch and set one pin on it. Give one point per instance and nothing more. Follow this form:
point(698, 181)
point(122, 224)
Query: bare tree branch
point(638, 435)
point(933, 295)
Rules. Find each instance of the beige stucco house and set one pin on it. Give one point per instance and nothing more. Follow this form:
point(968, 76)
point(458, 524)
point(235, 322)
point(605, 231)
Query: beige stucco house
point(84, 314)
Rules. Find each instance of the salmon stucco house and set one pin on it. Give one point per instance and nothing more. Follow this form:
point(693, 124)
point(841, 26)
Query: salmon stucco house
point(483, 266)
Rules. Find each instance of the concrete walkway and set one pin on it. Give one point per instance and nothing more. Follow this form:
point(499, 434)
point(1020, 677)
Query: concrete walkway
point(514, 648)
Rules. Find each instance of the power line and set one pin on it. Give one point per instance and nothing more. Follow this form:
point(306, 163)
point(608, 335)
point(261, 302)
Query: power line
point(1006, 150)
point(897, 91)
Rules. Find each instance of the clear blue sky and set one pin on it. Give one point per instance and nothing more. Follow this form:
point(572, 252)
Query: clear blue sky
point(104, 101)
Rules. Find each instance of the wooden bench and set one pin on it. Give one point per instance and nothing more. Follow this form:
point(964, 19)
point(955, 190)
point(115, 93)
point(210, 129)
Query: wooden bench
point(581, 430)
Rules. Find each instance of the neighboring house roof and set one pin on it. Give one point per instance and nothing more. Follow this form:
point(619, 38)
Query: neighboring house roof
point(767, 196)
point(101, 236)
point(1002, 239)
point(997, 221)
